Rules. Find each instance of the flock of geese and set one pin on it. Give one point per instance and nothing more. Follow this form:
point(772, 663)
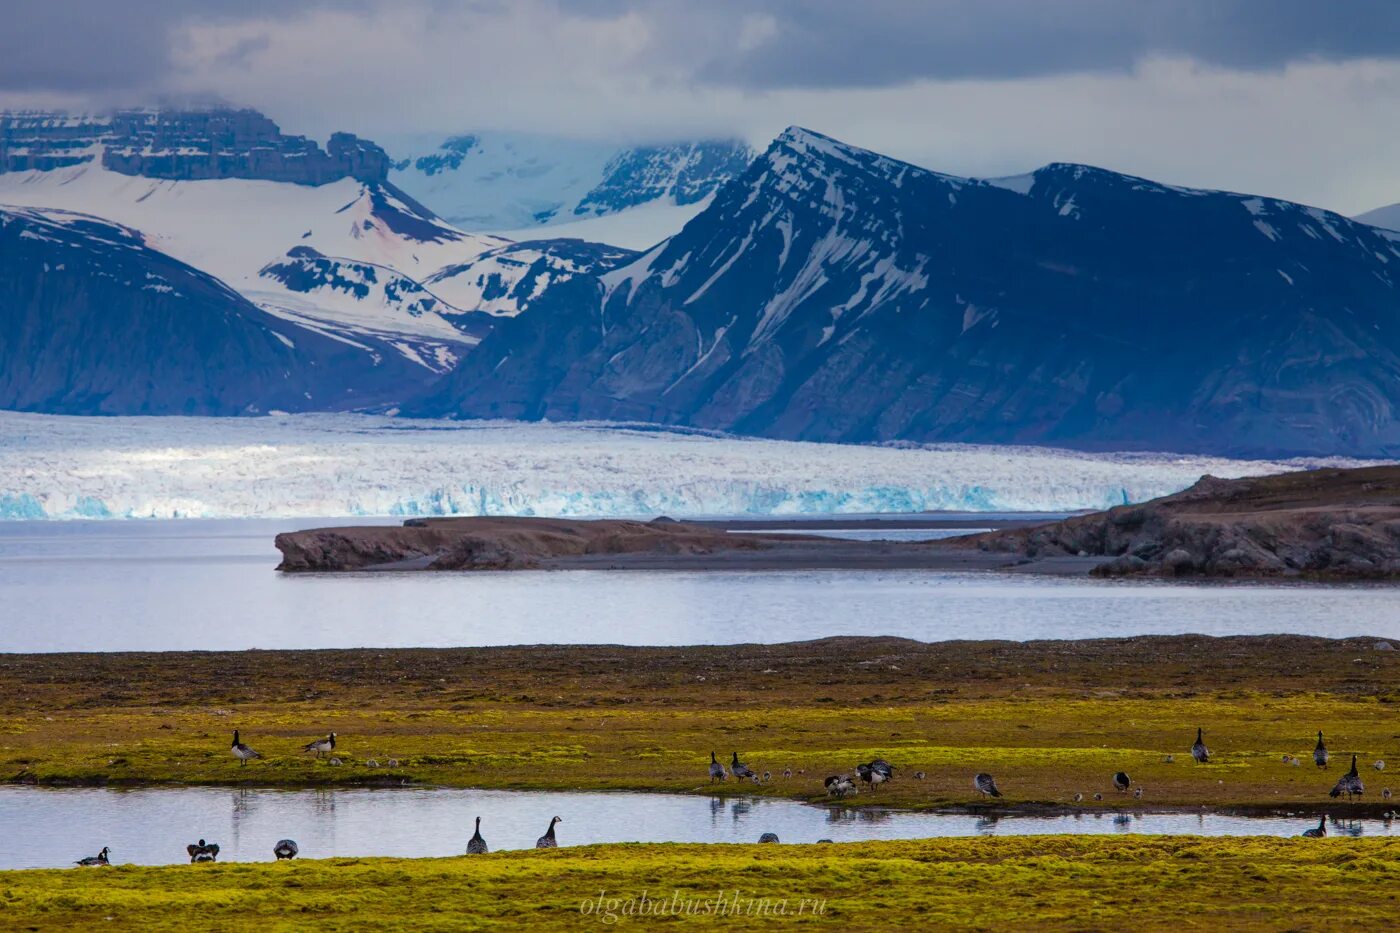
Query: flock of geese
point(877, 772)
point(872, 774)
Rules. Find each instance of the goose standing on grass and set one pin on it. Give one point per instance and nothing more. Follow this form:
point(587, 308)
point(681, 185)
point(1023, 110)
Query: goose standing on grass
point(740, 770)
point(839, 785)
point(876, 772)
point(1350, 783)
point(240, 751)
point(1121, 781)
point(1320, 755)
point(1199, 750)
point(202, 851)
point(92, 861)
point(320, 746)
point(476, 845)
point(1319, 831)
point(547, 841)
point(717, 772)
point(985, 785)
point(285, 848)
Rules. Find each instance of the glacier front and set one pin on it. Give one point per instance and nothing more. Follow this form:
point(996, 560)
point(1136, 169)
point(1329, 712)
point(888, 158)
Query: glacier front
point(56, 467)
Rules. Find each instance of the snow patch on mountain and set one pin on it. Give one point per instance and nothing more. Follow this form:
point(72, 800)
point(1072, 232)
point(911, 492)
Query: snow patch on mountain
point(55, 467)
point(516, 184)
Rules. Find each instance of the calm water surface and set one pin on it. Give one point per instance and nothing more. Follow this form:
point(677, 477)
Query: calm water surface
point(111, 586)
point(41, 828)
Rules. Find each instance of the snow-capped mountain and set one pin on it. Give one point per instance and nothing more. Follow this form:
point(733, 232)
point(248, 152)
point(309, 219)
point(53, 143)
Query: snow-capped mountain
point(1387, 217)
point(529, 186)
point(94, 321)
point(831, 293)
point(317, 237)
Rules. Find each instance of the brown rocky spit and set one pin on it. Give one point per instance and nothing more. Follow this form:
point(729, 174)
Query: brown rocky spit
point(1327, 523)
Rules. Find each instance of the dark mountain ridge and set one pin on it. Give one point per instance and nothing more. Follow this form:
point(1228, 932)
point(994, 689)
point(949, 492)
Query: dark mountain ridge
point(833, 294)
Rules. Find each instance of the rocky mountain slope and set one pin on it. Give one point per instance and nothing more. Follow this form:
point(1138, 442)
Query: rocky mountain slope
point(1324, 523)
point(94, 321)
point(833, 294)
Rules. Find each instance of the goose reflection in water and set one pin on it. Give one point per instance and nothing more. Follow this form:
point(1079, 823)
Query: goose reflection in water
point(985, 825)
point(740, 809)
point(323, 802)
point(1347, 828)
point(716, 810)
point(848, 815)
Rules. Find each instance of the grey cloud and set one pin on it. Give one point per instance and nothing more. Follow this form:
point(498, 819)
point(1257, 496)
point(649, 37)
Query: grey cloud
point(832, 43)
point(115, 45)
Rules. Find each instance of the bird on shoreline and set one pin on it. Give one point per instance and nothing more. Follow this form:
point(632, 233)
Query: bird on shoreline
point(1199, 750)
point(285, 849)
point(876, 772)
point(240, 751)
point(839, 785)
point(92, 861)
point(985, 785)
point(739, 769)
point(717, 772)
point(202, 851)
point(476, 845)
point(320, 746)
point(768, 837)
point(1320, 755)
point(547, 841)
point(1121, 781)
point(1319, 831)
point(1349, 783)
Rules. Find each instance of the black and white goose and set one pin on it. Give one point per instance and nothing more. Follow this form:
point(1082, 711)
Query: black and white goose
point(717, 772)
point(202, 851)
point(1199, 750)
point(285, 849)
point(1349, 783)
point(476, 845)
point(240, 751)
point(320, 746)
point(1320, 755)
point(1319, 831)
point(92, 861)
point(740, 770)
point(839, 785)
point(547, 841)
point(1121, 781)
point(985, 785)
point(875, 773)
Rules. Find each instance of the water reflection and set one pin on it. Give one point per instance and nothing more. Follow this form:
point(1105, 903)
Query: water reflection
point(46, 828)
point(210, 585)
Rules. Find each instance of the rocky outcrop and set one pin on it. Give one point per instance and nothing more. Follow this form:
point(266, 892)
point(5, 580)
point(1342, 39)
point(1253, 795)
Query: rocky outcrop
point(1342, 524)
point(185, 145)
point(492, 543)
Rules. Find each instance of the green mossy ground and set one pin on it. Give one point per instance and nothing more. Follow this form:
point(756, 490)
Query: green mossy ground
point(1048, 719)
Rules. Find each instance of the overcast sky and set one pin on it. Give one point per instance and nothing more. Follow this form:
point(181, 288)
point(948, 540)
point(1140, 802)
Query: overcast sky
point(1292, 98)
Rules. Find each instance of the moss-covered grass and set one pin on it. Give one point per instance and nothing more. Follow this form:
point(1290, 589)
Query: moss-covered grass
point(1049, 719)
point(994, 883)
